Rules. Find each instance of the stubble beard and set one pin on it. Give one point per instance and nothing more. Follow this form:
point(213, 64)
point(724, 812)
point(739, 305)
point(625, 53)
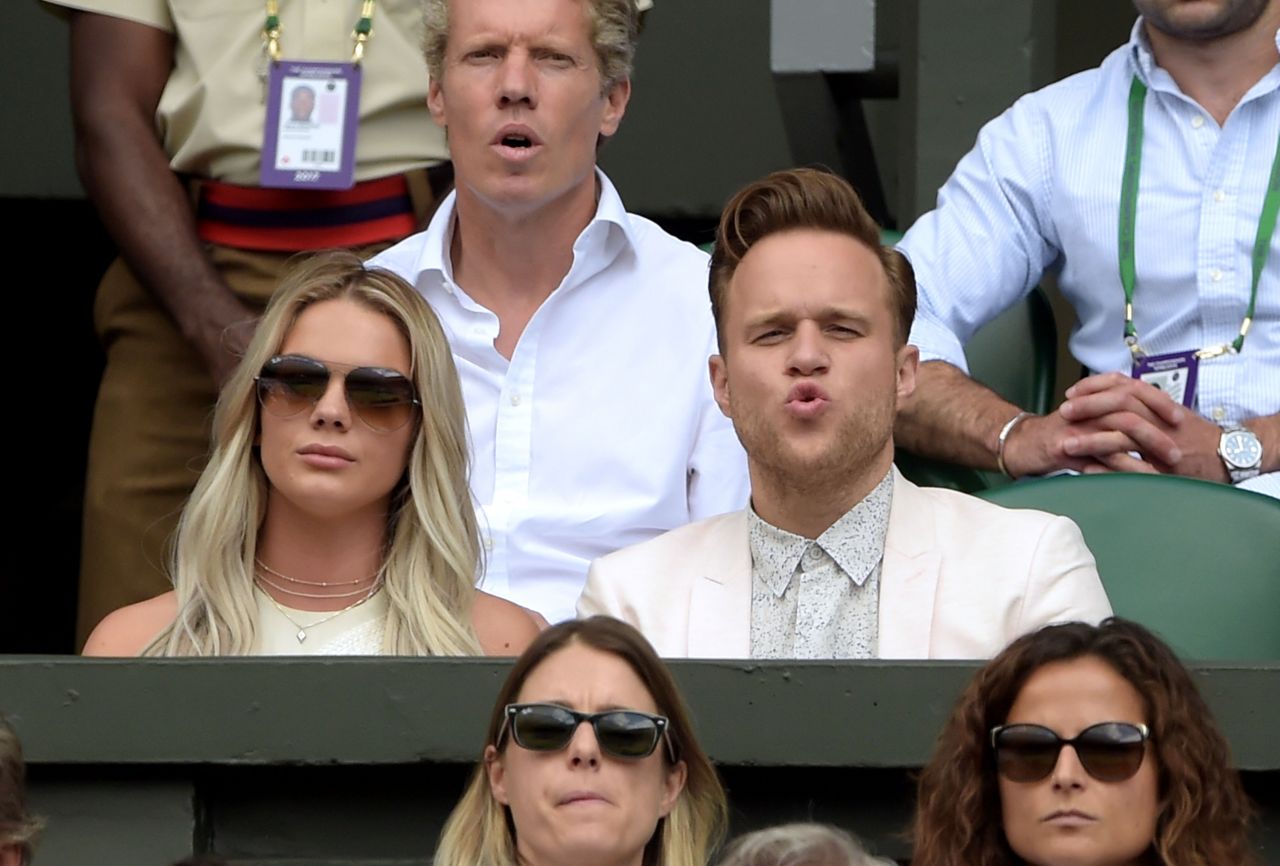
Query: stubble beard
point(1235, 16)
point(859, 440)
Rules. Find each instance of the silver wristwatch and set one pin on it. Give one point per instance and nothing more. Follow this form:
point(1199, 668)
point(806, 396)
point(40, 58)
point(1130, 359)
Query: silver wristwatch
point(1241, 453)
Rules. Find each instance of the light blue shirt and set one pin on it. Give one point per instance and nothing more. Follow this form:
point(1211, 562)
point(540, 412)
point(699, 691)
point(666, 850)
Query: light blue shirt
point(1041, 192)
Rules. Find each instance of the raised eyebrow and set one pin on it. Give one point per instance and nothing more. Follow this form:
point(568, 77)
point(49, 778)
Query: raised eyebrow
point(831, 314)
point(859, 321)
point(484, 42)
point(545, 50)
point(771, 320)
point(838, 314)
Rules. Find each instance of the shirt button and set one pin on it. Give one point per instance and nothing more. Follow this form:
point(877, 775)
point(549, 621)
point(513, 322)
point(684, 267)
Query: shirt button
point(1197, 122)
point(1219, 413)
point(1215, 275)
point(814, 553)
point(1219, 196)
point(515, 399)
point(488, 544)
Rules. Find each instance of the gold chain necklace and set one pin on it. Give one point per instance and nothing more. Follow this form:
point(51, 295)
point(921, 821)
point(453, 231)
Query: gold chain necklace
point(299, 594)
point(302, 629)
point(262, 565)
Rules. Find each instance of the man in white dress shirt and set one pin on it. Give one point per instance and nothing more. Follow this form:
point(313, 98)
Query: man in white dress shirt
point(837, 556)
point(1194, 99)
point(581, 332)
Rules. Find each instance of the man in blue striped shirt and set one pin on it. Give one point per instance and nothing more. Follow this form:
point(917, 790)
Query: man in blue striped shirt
point(1167, 150)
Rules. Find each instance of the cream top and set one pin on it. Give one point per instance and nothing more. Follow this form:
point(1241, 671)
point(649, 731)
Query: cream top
point(356, 632)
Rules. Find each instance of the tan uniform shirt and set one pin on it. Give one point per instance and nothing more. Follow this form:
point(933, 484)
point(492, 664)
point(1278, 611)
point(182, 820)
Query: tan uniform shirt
point(210, 117)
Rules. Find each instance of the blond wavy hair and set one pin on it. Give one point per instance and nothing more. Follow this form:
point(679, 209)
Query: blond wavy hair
point(480, 831)
point(615, 29)
point(431, 552)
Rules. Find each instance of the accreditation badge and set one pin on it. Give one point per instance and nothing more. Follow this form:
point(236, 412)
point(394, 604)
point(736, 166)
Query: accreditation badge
point(309, 136)
point(1174, 373)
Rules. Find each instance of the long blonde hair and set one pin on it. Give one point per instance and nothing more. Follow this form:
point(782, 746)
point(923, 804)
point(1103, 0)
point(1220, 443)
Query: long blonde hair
point(480, 832)
point(432, 547)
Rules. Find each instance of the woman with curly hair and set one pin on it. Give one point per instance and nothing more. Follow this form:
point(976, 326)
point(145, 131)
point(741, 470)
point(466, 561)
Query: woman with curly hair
point(1147, 778)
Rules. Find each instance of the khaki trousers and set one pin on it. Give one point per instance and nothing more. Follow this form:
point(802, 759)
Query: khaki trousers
point(151, 426)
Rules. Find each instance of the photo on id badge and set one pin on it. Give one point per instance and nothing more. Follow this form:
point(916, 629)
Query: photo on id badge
point(310, 132)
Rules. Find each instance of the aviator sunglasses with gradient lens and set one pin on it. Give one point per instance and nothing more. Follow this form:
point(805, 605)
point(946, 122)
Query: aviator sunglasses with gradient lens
point(550, 727)
point(383, 399)
point(1108, 751)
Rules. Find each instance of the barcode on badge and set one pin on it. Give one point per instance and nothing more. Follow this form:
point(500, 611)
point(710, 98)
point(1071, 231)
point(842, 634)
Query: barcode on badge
point(320, 156)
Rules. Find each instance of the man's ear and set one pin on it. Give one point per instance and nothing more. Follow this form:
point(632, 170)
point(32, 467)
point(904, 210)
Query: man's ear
point(908, 365)
point(720, 384)
point(435, 103)
point(616, 99)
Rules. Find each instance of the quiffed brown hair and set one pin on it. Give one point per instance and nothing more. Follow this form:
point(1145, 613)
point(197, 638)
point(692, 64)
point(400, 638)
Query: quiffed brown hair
point(479, 830)
point(804, 198)
point(1203, 817)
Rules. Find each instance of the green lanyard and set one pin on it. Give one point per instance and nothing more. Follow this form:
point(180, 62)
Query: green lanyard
point(1129, 217)
point(360, 34)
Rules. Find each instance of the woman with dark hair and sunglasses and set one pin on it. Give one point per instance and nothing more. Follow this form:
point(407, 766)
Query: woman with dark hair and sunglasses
point(1082, 745)
point(334, 516)
point(590, 757)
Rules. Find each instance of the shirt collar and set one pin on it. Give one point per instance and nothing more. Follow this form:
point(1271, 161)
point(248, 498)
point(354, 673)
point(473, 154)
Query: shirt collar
point(1144, 60)
point(609, 232)
point(855, 541)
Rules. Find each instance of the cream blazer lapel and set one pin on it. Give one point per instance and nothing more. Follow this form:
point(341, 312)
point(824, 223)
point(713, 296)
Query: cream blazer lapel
point(720, 595)
point(909, 577)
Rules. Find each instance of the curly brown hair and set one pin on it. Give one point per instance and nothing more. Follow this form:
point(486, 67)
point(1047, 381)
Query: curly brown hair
point(1204, 815)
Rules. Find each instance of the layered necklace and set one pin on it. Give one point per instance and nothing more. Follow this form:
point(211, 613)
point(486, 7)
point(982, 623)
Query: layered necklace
point(364, 594)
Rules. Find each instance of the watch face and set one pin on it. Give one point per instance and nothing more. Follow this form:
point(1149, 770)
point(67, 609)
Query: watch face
point(1241, 449)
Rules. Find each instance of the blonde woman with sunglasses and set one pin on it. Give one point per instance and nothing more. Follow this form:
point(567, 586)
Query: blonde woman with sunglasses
point(334, 515)
point(590, 758)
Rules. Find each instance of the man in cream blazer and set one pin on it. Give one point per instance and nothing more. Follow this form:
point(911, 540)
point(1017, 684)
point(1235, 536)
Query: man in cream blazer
point(838, 555)
point(961, 579)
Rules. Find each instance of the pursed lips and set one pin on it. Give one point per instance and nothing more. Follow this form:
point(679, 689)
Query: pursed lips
point(806, 401)
point(806, 392)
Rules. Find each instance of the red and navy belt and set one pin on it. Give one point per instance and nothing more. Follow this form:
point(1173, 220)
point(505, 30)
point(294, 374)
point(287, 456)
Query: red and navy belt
point(256, 218)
